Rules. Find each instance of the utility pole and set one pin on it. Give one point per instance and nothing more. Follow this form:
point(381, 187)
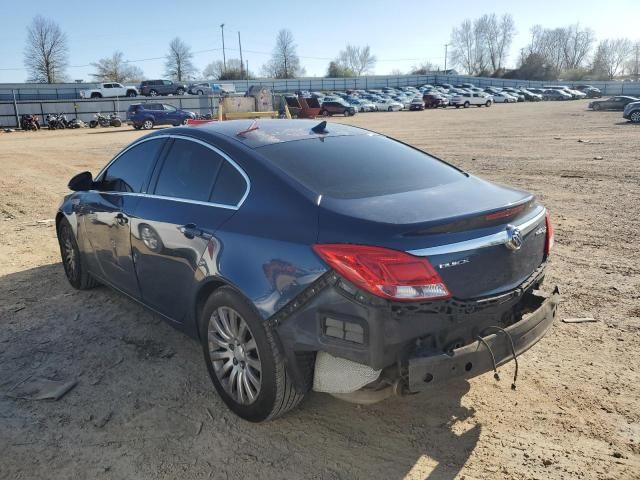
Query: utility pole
point(241, 62)
point(446, 46)
point(247, 69)
point(224, 57)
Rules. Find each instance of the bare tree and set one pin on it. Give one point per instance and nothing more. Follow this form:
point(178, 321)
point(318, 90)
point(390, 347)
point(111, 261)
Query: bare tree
point(116, 69)
point(633, 65)
point(577, 45)
point(497, 34)
point(422, 69)
point(610, 57)
point(284, 62)
point(564, 48)
point(359, 60)
point(469, 50)
point(46, 52)
point(234, 71)
point(179, 65)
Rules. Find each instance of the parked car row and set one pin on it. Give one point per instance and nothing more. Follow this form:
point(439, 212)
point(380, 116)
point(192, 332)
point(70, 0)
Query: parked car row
point(154, 88)
point(392, 99)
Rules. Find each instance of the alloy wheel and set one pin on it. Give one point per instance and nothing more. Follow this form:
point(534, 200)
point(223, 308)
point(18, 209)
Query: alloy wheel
point(234, 355)
point(635, 117)
point(69, 255)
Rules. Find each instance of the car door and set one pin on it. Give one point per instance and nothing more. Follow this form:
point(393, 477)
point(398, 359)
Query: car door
point(195, 189)
point(167, 87)
point(119, 90)
point(157, 112)
point(171, 114)
point(106, 213)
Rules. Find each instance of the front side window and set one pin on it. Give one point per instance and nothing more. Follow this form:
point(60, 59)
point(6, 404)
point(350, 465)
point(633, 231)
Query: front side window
point(189, 171)
point(129, 172)
point(170, 108)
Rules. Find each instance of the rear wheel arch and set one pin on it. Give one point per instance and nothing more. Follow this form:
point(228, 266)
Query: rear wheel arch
point(204, 292)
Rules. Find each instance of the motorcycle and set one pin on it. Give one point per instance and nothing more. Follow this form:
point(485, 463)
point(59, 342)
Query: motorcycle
point(29, 122)
point(76, 123)
point(55, 121)
point(112, 120)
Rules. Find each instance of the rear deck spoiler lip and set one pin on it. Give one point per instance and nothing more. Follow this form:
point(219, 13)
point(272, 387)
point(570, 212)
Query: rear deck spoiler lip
point(498, 238)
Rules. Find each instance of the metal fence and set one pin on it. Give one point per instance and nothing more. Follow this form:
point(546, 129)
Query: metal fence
point(71, 91)
point(86, 109)
point(30, 100)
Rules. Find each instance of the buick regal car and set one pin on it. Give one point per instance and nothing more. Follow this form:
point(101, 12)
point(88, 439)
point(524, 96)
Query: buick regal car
point(314, 256)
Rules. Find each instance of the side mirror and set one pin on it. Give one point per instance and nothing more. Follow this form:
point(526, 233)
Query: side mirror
point(81, 182)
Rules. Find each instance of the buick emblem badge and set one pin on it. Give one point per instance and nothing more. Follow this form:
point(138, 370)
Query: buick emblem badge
point(514, 238)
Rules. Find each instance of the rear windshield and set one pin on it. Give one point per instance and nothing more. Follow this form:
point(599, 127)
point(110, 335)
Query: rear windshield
point(359, 166)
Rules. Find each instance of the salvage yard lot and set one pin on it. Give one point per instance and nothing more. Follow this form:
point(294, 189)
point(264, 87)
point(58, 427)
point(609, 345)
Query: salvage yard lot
point(143, 406)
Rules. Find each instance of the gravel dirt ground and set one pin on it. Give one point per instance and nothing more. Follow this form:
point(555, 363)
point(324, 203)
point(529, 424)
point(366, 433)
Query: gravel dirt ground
point(143, 406)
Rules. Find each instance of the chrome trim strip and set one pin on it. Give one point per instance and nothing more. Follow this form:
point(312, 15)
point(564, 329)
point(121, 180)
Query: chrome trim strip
point(185, 200)
point(174, 199)
point(499, 238)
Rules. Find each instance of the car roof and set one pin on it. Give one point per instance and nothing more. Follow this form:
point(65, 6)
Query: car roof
point(272, 131)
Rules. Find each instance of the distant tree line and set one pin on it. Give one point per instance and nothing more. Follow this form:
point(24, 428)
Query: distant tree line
point(478, 47)
point(481, 46)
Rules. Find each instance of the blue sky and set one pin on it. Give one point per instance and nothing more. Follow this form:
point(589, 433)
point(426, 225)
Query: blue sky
point(401, 34)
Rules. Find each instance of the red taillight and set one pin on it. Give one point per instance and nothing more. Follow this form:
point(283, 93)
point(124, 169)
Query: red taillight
point(548, 244)
point(384, 272)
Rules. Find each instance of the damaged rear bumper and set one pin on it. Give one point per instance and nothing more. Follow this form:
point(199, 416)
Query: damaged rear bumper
point(475, 358)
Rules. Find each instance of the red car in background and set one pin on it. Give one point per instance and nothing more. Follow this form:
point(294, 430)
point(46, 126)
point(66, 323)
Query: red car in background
point(433, 100)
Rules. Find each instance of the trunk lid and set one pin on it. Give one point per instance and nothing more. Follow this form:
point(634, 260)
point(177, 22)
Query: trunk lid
point(462, 227)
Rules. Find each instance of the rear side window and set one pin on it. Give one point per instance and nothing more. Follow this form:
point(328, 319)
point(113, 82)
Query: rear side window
point(189, 171)
point(230, 186)
point(359, 166)
point(131, 170)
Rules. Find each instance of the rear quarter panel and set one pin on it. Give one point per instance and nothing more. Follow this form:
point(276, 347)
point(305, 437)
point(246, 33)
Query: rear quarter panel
point(264, 250)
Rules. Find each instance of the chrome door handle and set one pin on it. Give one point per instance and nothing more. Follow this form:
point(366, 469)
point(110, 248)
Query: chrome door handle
point(190, 230)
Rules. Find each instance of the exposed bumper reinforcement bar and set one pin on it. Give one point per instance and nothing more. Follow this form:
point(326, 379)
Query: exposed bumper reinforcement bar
point(474, 359)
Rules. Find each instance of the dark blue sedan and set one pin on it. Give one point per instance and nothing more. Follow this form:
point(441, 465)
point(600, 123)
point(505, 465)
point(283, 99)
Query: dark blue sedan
point(146, 115)
point(308, 255)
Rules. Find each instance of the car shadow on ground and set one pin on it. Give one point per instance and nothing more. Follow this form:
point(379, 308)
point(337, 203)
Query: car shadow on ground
point(142, 388)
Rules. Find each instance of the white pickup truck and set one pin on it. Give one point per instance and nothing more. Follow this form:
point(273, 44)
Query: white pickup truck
point(106, 90)
point(476, 98)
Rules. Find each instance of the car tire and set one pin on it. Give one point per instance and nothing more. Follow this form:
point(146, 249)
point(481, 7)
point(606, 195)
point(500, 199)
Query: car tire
point(200, 92)
point(324, 113)
point(93, 123)
point(389, 109)
point(180, 91)
point(185, 121)
point(96, 95)
point(137, 127)
point(132, 93)
point(243, 360)
point(147, 124)
point(488, 104)
point(153, 93)
point(596, 107)
point(457, 106)
point(74, 267)
point(635, 117)
point(466, 104)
